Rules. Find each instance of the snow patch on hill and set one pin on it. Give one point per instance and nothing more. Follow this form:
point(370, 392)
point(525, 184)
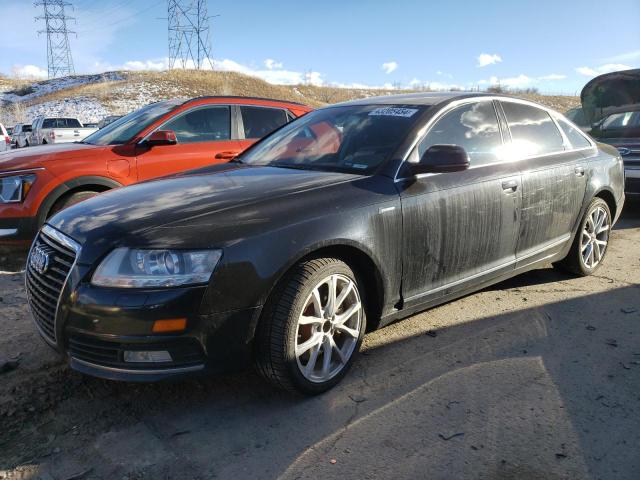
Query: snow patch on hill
point(39, 89)
point(85, 109)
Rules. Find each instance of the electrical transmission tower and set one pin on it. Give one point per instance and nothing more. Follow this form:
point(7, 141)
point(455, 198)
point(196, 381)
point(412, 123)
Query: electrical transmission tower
point(59, 61)
point(189, 42)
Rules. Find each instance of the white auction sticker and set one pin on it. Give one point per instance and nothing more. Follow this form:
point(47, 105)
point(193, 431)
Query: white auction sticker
point(394, 111)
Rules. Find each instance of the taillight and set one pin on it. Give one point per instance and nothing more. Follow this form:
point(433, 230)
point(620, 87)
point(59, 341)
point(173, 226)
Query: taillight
point(52, 135)
point(7, 140)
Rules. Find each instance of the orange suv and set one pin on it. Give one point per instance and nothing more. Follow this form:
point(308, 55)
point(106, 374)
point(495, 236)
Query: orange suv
point(157, 140)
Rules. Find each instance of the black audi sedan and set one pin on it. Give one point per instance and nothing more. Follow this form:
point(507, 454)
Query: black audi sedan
point(347, 219)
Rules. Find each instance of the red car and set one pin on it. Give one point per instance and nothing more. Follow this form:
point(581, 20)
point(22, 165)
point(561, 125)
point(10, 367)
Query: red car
point(157, 140)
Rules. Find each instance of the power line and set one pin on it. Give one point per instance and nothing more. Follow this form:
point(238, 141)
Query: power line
point(59, 60)
point(188, 29)
point(117, 21)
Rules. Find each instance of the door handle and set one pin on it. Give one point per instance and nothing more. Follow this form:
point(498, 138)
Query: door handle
point(510, 186)
point(229, 155)
point(579, 171)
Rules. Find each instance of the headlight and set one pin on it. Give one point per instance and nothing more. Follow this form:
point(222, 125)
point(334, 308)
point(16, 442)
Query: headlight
point(15, 188)
point(131, 268)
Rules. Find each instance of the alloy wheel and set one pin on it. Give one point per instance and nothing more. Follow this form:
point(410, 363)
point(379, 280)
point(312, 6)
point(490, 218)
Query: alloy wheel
point(595, 237)
point(328, 328)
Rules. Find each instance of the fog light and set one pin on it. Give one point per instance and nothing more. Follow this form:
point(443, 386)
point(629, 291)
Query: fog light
point(159, 356)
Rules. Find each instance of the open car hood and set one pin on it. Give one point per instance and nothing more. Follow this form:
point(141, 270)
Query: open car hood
point(609, 91)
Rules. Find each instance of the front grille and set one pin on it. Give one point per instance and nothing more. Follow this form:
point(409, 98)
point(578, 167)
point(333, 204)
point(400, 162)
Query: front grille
point(44, 287)
point(185, 352)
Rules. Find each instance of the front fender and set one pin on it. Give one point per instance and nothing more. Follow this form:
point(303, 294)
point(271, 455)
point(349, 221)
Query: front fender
point(251, 268)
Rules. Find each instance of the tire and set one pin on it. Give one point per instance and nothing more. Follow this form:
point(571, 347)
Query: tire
point(286, 348)
point(589, 248)
point(70, 200)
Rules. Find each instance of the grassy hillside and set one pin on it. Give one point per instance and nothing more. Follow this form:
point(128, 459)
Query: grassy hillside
point(94, 96)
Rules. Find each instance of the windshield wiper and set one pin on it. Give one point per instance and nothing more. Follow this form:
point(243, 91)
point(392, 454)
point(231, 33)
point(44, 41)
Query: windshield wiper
point(294, 166)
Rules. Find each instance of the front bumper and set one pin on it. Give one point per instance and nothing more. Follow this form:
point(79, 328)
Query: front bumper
point(17, 230)
point(104, 323)
point(632, 180)
point(94, 327)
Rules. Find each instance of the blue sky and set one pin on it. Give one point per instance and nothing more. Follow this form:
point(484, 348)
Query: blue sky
point(555, 46)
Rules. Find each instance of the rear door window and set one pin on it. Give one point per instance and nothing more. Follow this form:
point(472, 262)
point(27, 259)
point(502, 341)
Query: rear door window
point(533, 132)
point(473, 127)
point(260, 121)
point(203, 124)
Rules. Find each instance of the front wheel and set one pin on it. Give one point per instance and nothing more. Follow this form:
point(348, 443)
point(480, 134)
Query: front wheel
point(590, 245)
point(312, 328)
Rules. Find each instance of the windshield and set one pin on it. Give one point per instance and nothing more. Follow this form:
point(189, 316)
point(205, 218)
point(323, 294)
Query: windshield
point(129, 126)
point(353, 139)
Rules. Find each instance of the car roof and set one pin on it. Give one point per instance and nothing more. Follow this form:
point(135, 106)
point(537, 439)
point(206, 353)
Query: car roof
point(240, 99)
point(418, 98)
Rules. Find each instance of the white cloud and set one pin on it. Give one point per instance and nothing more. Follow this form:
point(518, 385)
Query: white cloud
point(28, 72)
point(271, 64)
point(485, 59)
point(624, 57)
point(510, 82)
point(521, 81)
point(552, 76)
point(275, 74)
point(438, 86)
point(606, 68)
point(389, 67)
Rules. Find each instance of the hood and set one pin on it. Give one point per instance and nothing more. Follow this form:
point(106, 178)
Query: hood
point(617, 89)
point(36, 156)
point(230, 189)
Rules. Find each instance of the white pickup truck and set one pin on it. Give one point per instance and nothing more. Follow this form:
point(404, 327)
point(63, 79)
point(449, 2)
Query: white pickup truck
point(57, 130)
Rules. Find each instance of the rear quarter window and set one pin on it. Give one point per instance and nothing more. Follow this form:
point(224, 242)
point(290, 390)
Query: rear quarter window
point(533, 132)
point(575, 137)
point(260, 121)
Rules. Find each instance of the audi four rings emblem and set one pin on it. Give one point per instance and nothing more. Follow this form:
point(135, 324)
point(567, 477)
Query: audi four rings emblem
point(39, 260)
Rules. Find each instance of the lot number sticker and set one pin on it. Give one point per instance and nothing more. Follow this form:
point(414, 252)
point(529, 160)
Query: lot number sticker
point(393, 112)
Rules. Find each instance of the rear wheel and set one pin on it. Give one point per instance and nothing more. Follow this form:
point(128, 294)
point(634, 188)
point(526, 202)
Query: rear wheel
point(590, 245)
point(70, 200)
point(312, 329)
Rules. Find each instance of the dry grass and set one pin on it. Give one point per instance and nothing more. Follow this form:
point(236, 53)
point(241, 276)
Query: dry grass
point(136, 86)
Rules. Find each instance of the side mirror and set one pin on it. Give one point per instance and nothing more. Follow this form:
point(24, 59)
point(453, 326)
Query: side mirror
point(442, 159)
point(161, 137)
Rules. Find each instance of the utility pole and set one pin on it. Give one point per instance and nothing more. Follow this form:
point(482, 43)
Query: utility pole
point(189, 42)
point(59, 60)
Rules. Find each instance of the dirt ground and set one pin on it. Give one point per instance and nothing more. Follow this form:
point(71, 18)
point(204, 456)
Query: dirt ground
point(538, 377)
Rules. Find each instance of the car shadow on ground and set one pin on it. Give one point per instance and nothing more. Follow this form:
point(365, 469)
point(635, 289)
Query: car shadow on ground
point(542, 392)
